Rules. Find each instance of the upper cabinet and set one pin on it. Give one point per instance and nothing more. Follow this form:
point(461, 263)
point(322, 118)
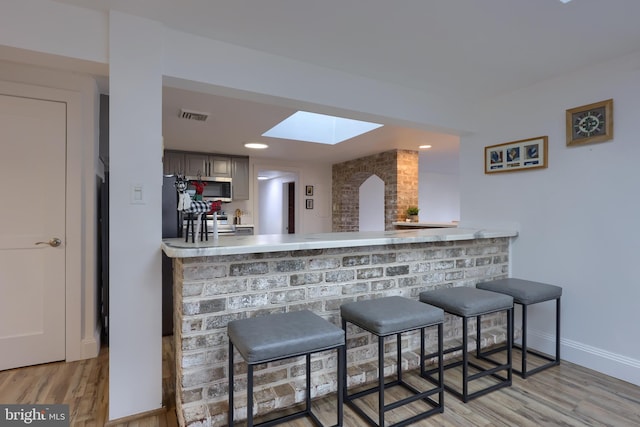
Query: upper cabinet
point(240, 175)
point(196, 164)
point(220, 166)
point(207, 165)
point(173, 163)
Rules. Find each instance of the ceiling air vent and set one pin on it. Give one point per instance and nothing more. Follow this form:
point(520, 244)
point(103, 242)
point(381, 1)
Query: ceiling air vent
point(193, 115)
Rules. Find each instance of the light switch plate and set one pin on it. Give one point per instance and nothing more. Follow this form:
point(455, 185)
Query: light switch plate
point(137, 194)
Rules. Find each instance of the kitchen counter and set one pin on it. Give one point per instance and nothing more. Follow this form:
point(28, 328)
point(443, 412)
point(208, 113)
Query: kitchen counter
point(233, 245)
point(236, 277)
point(434, 224)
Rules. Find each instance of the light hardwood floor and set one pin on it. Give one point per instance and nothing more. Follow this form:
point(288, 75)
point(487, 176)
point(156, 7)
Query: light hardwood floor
point(84, 385)
point(566, 395)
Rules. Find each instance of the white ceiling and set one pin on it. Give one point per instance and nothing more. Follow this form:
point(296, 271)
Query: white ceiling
point(464, 49)
point(232, 122)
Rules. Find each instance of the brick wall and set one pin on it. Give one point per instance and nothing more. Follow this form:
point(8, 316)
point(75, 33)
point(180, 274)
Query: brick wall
point(398, 169)
point(215, 290)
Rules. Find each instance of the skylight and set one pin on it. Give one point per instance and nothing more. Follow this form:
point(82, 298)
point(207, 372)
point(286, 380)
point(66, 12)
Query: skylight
point(319, 128)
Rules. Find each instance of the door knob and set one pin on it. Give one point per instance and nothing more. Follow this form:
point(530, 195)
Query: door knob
point(54, 242)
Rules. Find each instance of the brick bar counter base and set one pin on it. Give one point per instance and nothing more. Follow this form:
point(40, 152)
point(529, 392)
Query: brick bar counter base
point(211, 291)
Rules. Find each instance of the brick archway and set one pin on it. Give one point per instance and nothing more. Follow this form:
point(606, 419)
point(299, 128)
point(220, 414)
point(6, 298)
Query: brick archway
point(398, 169)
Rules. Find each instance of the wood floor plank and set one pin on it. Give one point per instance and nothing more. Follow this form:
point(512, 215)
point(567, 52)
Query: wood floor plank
point(565, 395)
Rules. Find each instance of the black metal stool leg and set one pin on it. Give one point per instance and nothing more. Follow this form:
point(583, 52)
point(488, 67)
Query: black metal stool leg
point(524, 341)
point(510, 345)
point(478, 334)
point(205, 228)
point(230, 420)
point(558, 330)
point(441, 366)
point(381, 381)
point(344, 355)
point(465, 361)
point(399, 356)
point(250, 395)
point(308, 391)
point(342, 385)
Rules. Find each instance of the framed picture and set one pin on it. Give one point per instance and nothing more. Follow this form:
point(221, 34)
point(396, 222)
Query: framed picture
point(517, 155)
point(309, 190)
point(590, 123)
point(309, 204)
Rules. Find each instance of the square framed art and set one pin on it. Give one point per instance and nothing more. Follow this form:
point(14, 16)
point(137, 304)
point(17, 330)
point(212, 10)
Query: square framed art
point(590, 123)
point(516, 155)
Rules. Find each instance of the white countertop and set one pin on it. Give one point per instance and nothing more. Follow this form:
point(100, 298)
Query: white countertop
point(434, 224)
point(231, 245)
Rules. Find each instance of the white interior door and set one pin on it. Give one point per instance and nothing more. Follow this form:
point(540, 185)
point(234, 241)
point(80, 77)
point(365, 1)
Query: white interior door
point(32, 210)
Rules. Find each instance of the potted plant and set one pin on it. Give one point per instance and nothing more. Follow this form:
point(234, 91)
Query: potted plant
point(412, 213)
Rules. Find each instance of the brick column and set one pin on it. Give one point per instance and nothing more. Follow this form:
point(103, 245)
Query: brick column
point(398, 169)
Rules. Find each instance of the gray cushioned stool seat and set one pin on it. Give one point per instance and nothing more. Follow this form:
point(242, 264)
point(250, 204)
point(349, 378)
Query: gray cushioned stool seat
point(261, 339)
point(390, 315)
point(395, 315)
point(282, 336)
point(467, 302)
point(523, 291)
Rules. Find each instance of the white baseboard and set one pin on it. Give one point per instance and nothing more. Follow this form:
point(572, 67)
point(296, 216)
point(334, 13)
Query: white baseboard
point(606, 362)
point(91, 346)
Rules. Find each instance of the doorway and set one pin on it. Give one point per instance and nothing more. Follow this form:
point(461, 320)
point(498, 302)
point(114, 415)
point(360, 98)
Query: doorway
point(277, 210)
point(291, 207)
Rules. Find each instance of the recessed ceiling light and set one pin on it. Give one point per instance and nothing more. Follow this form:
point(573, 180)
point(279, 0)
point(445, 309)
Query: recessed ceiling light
point(565, 1)
point(262, 178)
point(256, 145)
point(320, 128)
point(424, 146)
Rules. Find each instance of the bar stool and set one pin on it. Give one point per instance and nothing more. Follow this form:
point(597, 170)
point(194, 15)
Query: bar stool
point(197, 211)
point(468, 302)
point(393, 316)
point(282, 336)
point(526, 293)
point(204, 229)
point(189, 217)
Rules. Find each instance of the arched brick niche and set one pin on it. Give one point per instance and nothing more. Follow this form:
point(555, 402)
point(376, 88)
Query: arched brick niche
point(398, 169)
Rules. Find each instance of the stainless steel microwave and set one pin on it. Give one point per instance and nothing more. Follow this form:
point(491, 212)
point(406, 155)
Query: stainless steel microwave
point(216, 188)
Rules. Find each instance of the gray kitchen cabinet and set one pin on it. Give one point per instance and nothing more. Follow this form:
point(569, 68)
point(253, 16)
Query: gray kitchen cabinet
point(197, 164)
point(173, 163)
point(220, 166)
point(240, 175)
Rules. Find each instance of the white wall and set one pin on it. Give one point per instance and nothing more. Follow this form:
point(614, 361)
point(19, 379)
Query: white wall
point(371, 204)
point(439, 197)
point(135, 159)
point(577, 219)
point(316, 220)
point(271, 214)
point(55, 28)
